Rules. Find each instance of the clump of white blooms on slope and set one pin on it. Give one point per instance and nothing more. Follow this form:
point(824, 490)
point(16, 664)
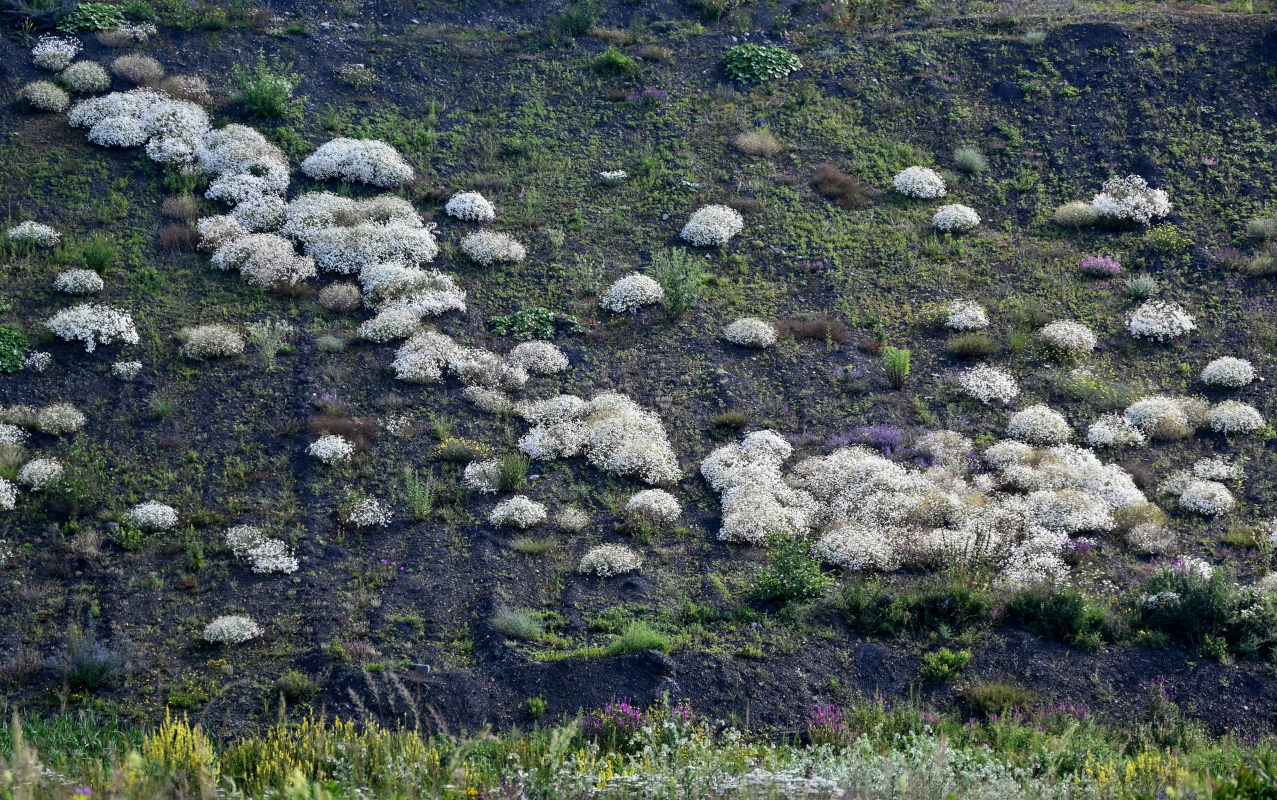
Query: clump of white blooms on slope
point(614, 433)
point(712, 226)
point(1130, 199)
point(955, 218)
point(470, 206)
point(966, 315)
point(492, 247)
point(368, 161)
point(78, 281)
point(45, 96)
point(483, 476)
point(1110, 430)
point(425, 357)
point(871, 512)
point(40, 473)
point(54, 53)
point(151, 516)
point(332, 449)
point(59, 419)
point(93, 325)
point(920, 182)
point(1228, 373)
point(609, 560)
point(1218, 469)
point(265, 260)
point(632, 292)
point(1160, 320)
point(988, 384)
point(1039, 425)
point(34, 233)
point(657, 505)
point(1232, 418)
point(1166, 418)
point(1069, 337)
point(231, 629)
point(210, 341)
point(1206, 497)
point(263, 553)
point(8, 495)
point(172, 130)
point(538, 358)
point(517, 512)
point(751, 332)
point(368, 512)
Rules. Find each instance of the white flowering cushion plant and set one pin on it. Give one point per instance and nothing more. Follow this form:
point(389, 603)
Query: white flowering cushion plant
point(1228, 373)
point(368, 161)
point(1160, 320)
point(231, 629)
point(966, 315)
point(750, 332)
point(632, 292)
point(712, 226)
point(332, 449)
point(923, 183)
point(470, 206)
point(94, 325)
point(518, 512)
point(955, 218)
point(609, 560)
point(1130, 199)
point(151, 516)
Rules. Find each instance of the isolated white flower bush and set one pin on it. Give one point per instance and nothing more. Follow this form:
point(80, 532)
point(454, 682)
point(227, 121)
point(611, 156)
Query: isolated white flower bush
point(955, 218)
point(93, 325)
point(1068, 336)
point(231, 629)
point(1039, 424)
point(210, 341)
point(920, 182)
point(470, 206)
point(632, 292)
point(491, 247)
point(483, 476)
point(34, 233)
point(966, 315)
point(1233, 418)
point(332, 449)
point(45, 96)
point(369, 512)
point(1160, 320)
point(517, 512)
point(657, 505)
point(78, 282)
point(55, 53)
point(988, 384)
point(85, 77)
point(263, 553)
point(1228, 373)
point(126, 370)
point(151, 516)
point(370, 161)
point(751, 332)
point(712, 226)
point(59, 419)
point(1130, 199)
point(609, 560)
point(538, 358)
point(40, 473)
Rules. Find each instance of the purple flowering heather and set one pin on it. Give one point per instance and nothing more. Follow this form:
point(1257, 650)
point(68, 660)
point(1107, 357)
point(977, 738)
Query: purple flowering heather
point(1100, 266)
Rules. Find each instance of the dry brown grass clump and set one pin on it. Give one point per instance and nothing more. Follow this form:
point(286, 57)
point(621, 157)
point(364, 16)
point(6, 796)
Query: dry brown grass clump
point(358, 432)
point(179, 236)
point(760, 142)
point(839, 187)
point(341, 297)
point(183, 207)
point(820, 328)
point(187, 87)
point(138, 70)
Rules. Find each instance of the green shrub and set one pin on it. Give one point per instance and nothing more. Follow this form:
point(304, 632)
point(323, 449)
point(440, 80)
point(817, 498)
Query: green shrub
point(752, 63)
point(1212, 614)
point(1141, 287)
point(516, 623)
point(613, 62)
point(530, 323)
point(681, 276)
point(536, 707)
point(984, 699)
point(971, 345)
point(13, 350)
point(419, 492)
point(266, 89)
point(943, 665)
point(296, 686)
point(970, 159)
point(577, 19)
point(1063, 615)
point(895, 360)
point(99, 253)
point(793, 572)
point(1167, 238)
point(637, 638)
point(1076, 214)
point(92, 17)
point(949, 607)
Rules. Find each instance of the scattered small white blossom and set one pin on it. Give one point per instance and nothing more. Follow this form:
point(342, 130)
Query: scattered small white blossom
point(1110, 430)
point(368, 512)
point(483, 476)
point(59, 419)
point(263, 553)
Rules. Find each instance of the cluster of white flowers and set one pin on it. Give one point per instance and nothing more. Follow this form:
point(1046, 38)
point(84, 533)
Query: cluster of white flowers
point(614, 177)
point(93, 325)
point(393, 285)
point(1151, 538)
point(1130, 199)
point(517, 512)
point(632, 292)
point(37, 361)
point(151, 516)
point(35, 233)
point(126, 370)
point(920, 182)
point(1160, 320)
point(657, 505)
point(751, 332)
point(85, 77)
point(470, 206)
point(988, 384)
point(857, 547)
point(424, 357)
point(59, 419)
point(238, 150)
point(78, 282)
point(172, 130)
point(483, 476)
point(955, 218)
point(1110, 430)
point(210, 341)
point(1228, 372)
point(966, 315)
point(40, 473)
point(571, 519)
point(332, 449)
point(231, 629)
point(368, 512)
point(264, 259)
point(1068, 336)
point(756, 500)
point(8, 502)
point(609, 560)
point(1232, 418)
point(614, 433)
point(259, 212)
point(712, 226)
point(370, 161)
point(45, 96)
point(538, 358)
point(349, 250)
point(263, 553)
point(1209, 498)
point(1039, 424)
point(491, 247)
point(390, 324)
point(492, 401)
point(12, 434)
point(1217, 469)
point(54, 53)
point(1165, 418)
